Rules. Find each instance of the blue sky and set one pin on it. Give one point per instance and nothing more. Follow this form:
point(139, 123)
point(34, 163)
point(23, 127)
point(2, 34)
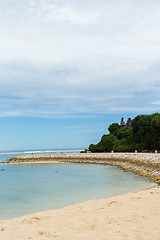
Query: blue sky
point(70, 68)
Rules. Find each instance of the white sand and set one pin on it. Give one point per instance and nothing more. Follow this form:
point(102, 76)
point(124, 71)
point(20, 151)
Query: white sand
point(134, 216)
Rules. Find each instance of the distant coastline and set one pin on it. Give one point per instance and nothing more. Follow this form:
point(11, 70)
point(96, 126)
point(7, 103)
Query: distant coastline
point(144, 164)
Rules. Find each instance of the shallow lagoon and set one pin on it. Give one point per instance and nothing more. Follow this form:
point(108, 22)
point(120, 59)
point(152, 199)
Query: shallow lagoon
point(32, 188)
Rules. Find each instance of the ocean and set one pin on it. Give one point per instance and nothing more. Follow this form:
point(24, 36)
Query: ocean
point(26, 189)
point(10, 154)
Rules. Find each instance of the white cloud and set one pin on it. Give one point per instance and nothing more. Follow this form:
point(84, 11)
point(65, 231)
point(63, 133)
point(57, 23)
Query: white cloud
point(156, 103)
point(69, 14)
point(79, 56)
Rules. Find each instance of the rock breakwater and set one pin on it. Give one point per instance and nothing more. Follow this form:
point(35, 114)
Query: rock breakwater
point(144, 164)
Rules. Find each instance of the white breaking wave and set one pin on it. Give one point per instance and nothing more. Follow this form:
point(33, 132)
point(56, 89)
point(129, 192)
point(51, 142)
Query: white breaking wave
point(11, 153)
point(42, 151)
point(28, 152)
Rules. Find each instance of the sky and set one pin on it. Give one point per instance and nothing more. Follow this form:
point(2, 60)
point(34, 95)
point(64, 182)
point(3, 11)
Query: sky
point(70, 68)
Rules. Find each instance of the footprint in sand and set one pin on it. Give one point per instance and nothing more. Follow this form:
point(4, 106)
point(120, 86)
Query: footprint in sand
point(110, 204)
point(45, 234)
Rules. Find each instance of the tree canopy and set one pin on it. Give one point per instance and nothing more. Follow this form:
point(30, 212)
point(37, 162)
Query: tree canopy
point(144, 134)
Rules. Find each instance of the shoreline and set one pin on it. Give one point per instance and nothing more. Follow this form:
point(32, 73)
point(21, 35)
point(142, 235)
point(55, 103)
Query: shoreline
point(144, 164)
point(134, 214)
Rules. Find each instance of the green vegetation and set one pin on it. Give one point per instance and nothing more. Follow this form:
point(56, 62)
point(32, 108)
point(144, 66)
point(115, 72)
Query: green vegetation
point(143, 135)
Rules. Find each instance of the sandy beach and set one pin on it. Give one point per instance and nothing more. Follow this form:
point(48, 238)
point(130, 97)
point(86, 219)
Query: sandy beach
point(133, 216)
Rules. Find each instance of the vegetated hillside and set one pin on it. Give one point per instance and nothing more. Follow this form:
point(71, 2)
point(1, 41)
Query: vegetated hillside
point(144, 134)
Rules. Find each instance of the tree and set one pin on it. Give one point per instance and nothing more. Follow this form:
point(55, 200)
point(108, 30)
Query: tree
point(113, 128)
point(144, 135)
point(123, 133)
point(105, 145)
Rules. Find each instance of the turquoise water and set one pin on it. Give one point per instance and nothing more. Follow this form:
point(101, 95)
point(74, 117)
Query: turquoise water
point(27, 189)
